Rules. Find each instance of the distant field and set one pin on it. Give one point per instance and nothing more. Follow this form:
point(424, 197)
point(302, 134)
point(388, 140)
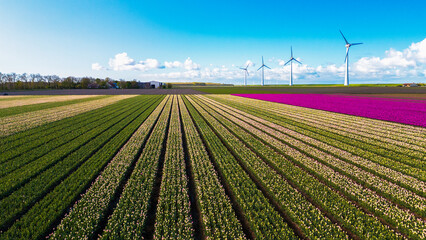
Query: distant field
point(325, 89)
point(206, 166)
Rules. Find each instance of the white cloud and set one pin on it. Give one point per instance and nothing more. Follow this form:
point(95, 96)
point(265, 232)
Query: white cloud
point(190, 65)
point(122, 62)
point(97, 67)
point(249, 63)
point(174, 64)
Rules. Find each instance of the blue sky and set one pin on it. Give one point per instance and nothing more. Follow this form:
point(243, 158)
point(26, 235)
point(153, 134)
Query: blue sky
point(209, 40)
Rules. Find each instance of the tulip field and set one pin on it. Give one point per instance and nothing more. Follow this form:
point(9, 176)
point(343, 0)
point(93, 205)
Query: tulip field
point(212, 166)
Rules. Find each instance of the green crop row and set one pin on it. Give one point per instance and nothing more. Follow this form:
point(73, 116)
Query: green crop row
point(264, 221)
point(322, 136)
point(54, 132)
point(173, 217)
point(64, 141)
point(128, 219)
point(400, 218)
point(217, 224)
point(35, 223)
point(320, 151)
point(85, 216)
point(30, 170)
point(299, 210)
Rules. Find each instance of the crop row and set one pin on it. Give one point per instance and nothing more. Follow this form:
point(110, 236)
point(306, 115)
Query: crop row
point(376, 138)
point(32, 105)
point(31, 169)
point(18, 101)
point(260, 214)
point(61, 147)
point(216, 224)
point(299, 210)
point(16, 123)
point(316, 149)
point(331, 203)
point(399, 132)
point(46, 132)
point(38, 204)
point(129, 217)
point(173, 218)
point(409, 154)
point(331, 139)
point(85, 216)
point(402, 219)
point(63, 131)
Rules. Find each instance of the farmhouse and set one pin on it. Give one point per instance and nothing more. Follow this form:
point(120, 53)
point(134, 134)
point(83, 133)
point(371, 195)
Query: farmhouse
point(410, 85)
point(151, 84)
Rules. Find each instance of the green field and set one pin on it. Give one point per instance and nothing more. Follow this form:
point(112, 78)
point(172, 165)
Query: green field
point(206, 166)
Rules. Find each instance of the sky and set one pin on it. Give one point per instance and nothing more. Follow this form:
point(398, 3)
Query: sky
point(208, 41)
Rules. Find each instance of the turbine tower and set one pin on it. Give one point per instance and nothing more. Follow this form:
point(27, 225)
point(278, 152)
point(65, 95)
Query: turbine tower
point(291, 66)
point(348, 45)
point(245, 74)
point(263, 74)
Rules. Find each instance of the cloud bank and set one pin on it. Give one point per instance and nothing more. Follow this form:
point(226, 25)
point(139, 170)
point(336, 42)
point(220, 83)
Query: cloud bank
point(406, 64)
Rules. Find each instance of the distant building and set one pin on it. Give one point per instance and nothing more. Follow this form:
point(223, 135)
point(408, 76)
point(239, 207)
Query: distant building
point(410, 85)
point(151, 84)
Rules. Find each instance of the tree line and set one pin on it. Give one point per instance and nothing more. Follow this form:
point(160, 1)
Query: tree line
point(14, 81)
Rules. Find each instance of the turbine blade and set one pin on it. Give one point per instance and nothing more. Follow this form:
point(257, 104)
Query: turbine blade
point(247, 66)
point(296, 60)
point(267, 66)
point(260, 67)
point(242, 68)
point(288, 62)
point(347, 53)
point(247, 73)
point(291, 51)
point(344, 37)
point(262, 61)
point(355, 44)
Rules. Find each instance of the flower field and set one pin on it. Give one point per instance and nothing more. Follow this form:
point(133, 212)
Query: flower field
point(213, 167)
point(405, 111)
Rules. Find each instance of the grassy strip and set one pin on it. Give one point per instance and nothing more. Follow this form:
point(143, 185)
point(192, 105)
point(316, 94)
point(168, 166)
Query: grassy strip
point(39, 220)
point(129, 218)
point(210, 194)
point(263, 220)
point(86, 215)
point(40, 106)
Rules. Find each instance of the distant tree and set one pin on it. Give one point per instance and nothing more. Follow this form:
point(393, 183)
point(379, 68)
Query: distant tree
point(85, 82)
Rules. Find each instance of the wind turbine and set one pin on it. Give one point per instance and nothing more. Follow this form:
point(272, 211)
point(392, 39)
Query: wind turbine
point(291, 66)
point(263, 74)
point(246, 73)
point(348, 45)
